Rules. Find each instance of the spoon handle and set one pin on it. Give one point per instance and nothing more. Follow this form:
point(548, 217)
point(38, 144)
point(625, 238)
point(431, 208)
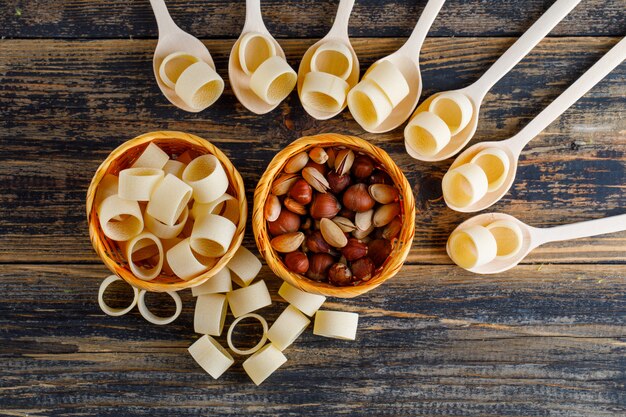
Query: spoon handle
point(413, 44)
point(521, 47)
point(340, 25)
point(583, 229)
point(163, 18)
point(594, 75)
point(254, 18)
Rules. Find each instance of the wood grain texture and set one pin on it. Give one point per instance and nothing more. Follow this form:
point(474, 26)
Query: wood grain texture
point(67, 104)
point(432, 341)
point(302, 19)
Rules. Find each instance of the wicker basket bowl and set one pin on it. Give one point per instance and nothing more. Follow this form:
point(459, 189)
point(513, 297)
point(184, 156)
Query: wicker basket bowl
point(407, 203)
point(173, 143)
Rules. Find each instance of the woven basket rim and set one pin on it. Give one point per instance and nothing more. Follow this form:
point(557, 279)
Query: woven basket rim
point(405, 237)
point(95, 233)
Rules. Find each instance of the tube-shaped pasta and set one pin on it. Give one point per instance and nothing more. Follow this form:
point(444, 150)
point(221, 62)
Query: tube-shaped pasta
point(154, 319)
point(110, 310)
point(336, 324)
point(495, 163)
point(390, 80)
point(229, 335)
point(120, 219)
point(137, 184)
point(211, 356)
point(173, 66)
point(245, 266)
point(254, 49)
point(248, 299)
point(151, 157)
point(175, 168)
point(306, 302)
point(263, 363)
point(426, 134)
point(472, 246)
point(368, 104)
point(273, 80)
point(323, 92)
point(206, 176)
point(169, 199)
point(508, 236)
point(183, 262)
point(464, 185)
point(454, 108)
point(164, 231)
point(199, 86)
point(210, 314)
point(212, 235)
point(226, 206)
point(107, 187)
point(332, 58)
point(141, 272)
point(288, 327)
point(218, 283)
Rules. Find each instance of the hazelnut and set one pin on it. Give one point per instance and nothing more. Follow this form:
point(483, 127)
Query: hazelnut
point(315, 243)
point(287, 222)
point(297, 262)
point(348, 214)
point(338, 183)
point(357, 198)
point(339, 274)
point(301, 191)
point(319, 264)
point(362, 167)
point(363, 269)
point(324, 206)
point(380, 177)
point(379, 250)
point(355, 249)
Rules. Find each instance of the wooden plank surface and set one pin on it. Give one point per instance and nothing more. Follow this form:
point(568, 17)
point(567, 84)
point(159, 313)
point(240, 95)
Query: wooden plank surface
point(546, 338)
point(302, 19)
point(97, 94)
point(432, 341)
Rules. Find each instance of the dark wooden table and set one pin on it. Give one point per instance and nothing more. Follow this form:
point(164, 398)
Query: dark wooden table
point(547, 338)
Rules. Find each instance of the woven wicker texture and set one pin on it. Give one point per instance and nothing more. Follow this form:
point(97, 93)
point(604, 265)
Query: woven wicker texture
point(407, 203)
point(173, 143)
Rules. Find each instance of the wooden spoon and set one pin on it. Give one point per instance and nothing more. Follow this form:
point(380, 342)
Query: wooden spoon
point(174, 39)
point(513, 147)
point(476, 92)
point(406, 59)
point(239, 80)
point(532, 237)
point(338, 33)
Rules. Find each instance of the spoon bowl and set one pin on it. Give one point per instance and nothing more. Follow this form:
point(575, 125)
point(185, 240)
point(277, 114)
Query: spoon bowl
point(174, 39)
point(491, 197)
point(239, 80)
point(477, 91)
point(338, 33)
point(499, 265)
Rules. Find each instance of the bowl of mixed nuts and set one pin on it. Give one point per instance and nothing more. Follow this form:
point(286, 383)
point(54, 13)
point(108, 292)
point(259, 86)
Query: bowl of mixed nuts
point(334, 215)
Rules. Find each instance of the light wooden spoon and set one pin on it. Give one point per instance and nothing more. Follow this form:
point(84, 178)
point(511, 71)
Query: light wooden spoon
point(239, 80)
point(513, 147)
point(532, 237)
point(174, 39)
point(477, 91)
point(338, 33)
point(406, 59)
